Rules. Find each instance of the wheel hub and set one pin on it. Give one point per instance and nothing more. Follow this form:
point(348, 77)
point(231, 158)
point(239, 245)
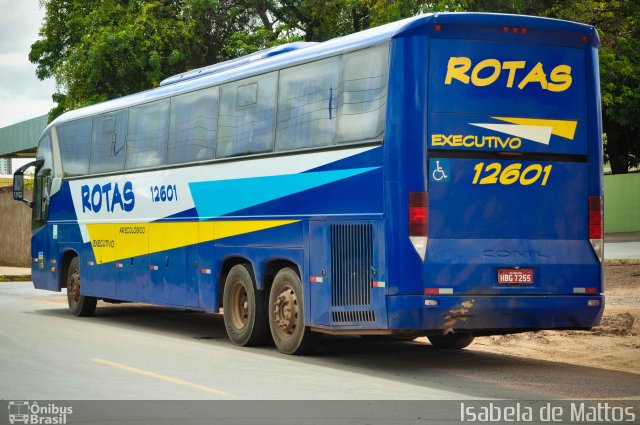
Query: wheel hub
point(239, 305)
point(286, 311)
point(73, 286)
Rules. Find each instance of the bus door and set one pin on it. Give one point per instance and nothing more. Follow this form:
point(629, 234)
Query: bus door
point(168, 267)
point(43, 246)
point(511, 177)
point(132, 262)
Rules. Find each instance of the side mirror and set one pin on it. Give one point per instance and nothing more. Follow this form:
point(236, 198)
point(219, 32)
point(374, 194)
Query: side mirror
point(18, 181)
point(18, 187)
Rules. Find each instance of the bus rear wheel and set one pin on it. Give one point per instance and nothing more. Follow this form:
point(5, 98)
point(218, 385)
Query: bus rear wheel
point(286, 315)
point(245, 316)
point(79, 305)
point(452, 341)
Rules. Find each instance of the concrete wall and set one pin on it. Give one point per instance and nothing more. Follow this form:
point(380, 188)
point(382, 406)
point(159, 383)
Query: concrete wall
point(622, 203)
point(15, 230)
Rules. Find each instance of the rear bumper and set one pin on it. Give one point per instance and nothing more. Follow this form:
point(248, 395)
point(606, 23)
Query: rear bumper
point(483, 313)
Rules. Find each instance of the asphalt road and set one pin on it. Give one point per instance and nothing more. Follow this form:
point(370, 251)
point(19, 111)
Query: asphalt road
point(139, 352)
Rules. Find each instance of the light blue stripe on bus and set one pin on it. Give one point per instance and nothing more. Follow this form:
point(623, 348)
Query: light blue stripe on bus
point(216, 198)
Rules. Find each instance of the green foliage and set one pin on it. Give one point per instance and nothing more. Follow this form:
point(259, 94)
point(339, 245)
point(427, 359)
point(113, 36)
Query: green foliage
point(101, 49)
point(618, 23)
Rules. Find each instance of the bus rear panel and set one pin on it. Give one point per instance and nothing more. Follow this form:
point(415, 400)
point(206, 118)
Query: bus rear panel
point(504, 206)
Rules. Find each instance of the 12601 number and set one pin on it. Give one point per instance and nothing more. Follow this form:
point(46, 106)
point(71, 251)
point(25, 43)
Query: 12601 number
point(164, 193)
point(493, 173)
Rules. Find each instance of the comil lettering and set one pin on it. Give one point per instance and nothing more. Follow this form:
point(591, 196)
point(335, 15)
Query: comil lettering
point(519, 74)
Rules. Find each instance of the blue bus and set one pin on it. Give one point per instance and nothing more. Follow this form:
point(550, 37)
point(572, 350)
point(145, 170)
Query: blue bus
point(439, 176)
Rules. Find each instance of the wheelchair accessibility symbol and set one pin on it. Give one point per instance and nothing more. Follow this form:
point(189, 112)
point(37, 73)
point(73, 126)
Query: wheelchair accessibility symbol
point(439, 170)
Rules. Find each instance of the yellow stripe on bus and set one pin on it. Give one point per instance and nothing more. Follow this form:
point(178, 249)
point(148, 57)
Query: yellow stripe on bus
point(561, 128)
point(112, 242)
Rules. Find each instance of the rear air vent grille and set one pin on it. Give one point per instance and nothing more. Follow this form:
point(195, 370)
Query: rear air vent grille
point(351, 263)
point(354, 316)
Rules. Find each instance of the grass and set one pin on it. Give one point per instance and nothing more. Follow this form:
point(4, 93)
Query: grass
point(23, 278)
point(28, 182)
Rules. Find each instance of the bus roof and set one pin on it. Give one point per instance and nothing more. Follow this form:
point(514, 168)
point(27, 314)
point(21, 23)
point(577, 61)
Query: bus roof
point(359, 40)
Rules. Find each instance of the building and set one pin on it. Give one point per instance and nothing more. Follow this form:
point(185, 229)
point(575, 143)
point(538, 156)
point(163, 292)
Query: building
point(5, 166)
point(20, 140)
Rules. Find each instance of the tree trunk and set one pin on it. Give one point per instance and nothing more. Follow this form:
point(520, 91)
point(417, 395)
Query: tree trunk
point(616, 147)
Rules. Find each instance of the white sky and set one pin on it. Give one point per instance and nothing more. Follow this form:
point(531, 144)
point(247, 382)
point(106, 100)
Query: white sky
point(22, 95)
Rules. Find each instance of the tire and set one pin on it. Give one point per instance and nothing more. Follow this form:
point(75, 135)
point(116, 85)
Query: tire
point(451, 341)
point(245, 315)
point(286, 315)
point(79, 305)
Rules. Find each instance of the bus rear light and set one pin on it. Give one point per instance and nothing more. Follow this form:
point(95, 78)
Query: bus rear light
point(418, 214)
point(515, 30)
point(584, 38)
point(593, 303)
point(437, 27)
point(595, 217)
point(438, 291)
point(585, 290)
point(596, 225)
point(418, 222)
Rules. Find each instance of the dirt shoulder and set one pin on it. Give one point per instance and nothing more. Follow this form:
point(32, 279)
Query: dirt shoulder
point(615, 344)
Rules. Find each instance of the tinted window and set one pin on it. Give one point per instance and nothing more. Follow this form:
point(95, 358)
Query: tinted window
point(147, 134)
point(364, 94)
point(42, 184)
point(44, 153)
point(74, 139)
point(108, 142)
point(247, 115)
point(193, 126)
point(307, 105)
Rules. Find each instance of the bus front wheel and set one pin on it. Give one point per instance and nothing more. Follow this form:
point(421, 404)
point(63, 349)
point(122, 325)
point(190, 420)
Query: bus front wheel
point(245, 317)
point(286, 315)
point(451, 341)
point(79, 305)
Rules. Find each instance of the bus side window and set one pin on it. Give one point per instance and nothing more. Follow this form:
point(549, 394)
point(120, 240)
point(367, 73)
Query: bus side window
point(147, 134)
point(307, 105)
point(75, 141)
point(247, 115)
point(108, 142)
point(193, 126)
point(364, 94)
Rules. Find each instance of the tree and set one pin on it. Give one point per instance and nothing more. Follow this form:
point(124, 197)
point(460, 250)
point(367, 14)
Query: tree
point(618, 23)
point(102, 49)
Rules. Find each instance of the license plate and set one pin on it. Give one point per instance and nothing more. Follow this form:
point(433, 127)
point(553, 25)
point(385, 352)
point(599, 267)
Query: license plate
point(515, 276)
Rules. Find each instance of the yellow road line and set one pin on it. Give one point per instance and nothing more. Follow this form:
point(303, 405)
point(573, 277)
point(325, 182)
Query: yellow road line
point(161, 377)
